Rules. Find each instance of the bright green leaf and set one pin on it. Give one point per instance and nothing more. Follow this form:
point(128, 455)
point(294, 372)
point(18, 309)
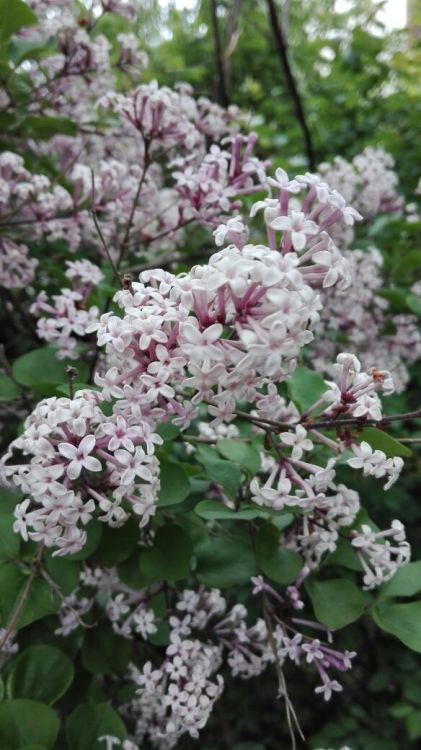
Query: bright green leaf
point(169, 557)
point(337, 602)
point(117, 545)
point(25, 722)
point(213, 510)
point(414, 303)
point(405, 582)
point(277, 563)
point(41, 366)
point(401, 620)
point(225, 561)
point(240, 453)
point(305, 387)
point(13, 16)
point(9, 540)
point(41, 673)
point(175, 485)
point(105, 652)
point(88, 722)
point(8, 389)
point(413, 725)
point(41, 600)
point(380, 440)
point(225, 473)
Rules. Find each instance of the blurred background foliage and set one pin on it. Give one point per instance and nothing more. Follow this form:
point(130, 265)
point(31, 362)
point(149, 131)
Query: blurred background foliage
point(359, 81)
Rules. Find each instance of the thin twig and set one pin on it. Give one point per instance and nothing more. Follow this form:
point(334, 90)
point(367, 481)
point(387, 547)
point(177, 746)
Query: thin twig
point(117, 276)
point(23, 596)
point(283, 691)
point(134, 204)
point(281, 48)
point(221, 89)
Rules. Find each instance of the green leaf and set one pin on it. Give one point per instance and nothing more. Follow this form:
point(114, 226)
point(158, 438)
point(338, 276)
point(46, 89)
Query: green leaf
point(169, 557)
point(220, 471)
point(214, 510)
point(8, 389)
point(41, 600)
point(105, 652)
point(382, 441)
point(401, 620)
point(41, 367)
point(225, 561)
point(277, 563)
point(345, 555)
point(9, 540)
point(94, 531)
point(240, 453)
point(305, 387)
point(167, 430)
point(13, 16)
point(337, 602)
point(405, 582)
point(175, 485)
point(42, 673)
point(25, 722)
point(414, 303)
point(117, 545)
point(64, 572)
point(44, 127)
point(413, 725)
point(28, 49)
point(88, 722)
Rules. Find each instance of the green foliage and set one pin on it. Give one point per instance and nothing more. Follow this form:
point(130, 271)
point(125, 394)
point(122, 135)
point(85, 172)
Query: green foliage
point(25, 722)
point(380, 440)
point(41, 370)
point(212, 510)
point(337, 602)
point(405, 582)
point(225, 560)
point(175, 486)
point(88, 722)
point(105, 653)
point(169, 557)
point(278, 563)
point(39, 602)
point(225, 473)
point(13, 16)
point(240, 453)
point(402, 620)
point(8, 388)
point(9, 540)
point(305, 387)
point(41, 673)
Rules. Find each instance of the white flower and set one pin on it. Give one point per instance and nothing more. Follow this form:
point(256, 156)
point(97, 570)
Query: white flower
point(299, 226)
point(298, 441)
point(79, 458)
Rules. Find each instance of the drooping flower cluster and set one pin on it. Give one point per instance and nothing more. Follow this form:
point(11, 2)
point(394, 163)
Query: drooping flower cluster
point(78, 463)
point(69, 314)
point(369, 181)
point(378, 337)
point(381, 552)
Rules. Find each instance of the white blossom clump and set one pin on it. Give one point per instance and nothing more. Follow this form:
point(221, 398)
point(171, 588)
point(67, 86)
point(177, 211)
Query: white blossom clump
point(69, 473)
